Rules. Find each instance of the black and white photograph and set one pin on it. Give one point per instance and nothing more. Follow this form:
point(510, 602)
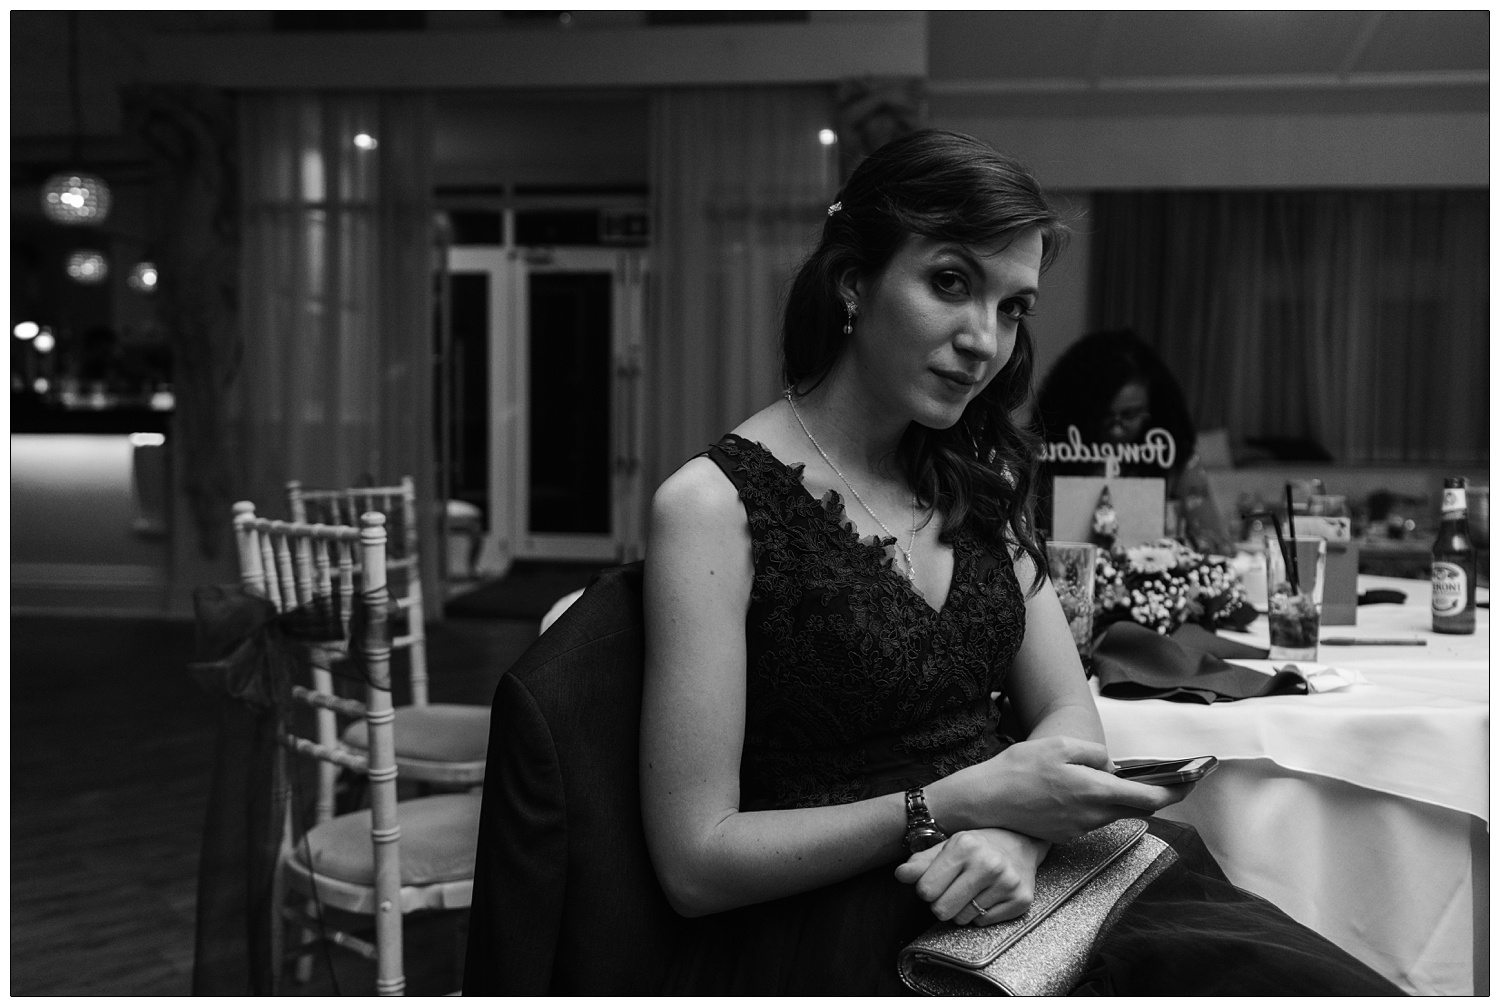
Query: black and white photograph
point(749, 502)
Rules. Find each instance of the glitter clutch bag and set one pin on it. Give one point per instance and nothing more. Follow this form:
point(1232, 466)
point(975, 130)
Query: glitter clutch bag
point(1079, 888)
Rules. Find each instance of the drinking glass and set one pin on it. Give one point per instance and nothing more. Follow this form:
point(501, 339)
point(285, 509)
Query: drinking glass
point(1294, 614)
point(1293, 619)
point(1312, 565)
point(1071, 566)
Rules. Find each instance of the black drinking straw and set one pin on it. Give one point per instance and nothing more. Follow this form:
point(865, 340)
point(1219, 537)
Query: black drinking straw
point(1285, 562)
point(1291, 533)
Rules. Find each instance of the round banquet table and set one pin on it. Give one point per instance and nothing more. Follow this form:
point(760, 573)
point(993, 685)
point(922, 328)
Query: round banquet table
point(1363, 812)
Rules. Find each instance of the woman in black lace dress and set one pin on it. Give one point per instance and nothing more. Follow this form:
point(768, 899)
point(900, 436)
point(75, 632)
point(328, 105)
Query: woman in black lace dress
point(834, 593)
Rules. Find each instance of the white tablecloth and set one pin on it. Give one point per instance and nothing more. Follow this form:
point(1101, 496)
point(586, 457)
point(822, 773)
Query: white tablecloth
point(1359, 812)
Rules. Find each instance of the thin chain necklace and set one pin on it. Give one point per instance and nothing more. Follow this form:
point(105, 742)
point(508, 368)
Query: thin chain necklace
point(911, 567)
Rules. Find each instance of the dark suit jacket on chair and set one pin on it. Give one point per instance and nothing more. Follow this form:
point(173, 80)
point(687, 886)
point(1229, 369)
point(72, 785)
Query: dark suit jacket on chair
point(565, 898)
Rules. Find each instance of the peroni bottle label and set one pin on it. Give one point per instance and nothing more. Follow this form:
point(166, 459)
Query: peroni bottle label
point(1455, 501)
point(1450, 589)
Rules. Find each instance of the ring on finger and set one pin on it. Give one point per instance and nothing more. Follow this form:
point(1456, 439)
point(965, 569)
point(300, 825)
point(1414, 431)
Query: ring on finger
point(978, 908)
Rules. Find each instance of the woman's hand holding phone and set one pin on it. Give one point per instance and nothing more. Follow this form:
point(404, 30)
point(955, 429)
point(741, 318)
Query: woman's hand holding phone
point(1054, 788)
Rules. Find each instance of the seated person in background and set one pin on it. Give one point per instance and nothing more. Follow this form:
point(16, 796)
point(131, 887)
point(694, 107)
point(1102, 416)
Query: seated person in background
point(1114, 389)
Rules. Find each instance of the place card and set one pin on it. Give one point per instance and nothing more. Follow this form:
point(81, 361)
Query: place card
point(1140, 506)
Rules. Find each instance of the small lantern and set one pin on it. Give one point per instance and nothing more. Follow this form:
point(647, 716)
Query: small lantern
point(88, 266)
point(143, 277)
point(75, 197)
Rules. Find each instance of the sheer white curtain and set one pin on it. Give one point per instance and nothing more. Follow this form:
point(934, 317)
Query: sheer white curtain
point(740, 184)
point(336, 384)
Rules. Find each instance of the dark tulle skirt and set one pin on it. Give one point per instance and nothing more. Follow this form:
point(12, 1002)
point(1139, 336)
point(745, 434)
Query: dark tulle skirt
point(1190, 932)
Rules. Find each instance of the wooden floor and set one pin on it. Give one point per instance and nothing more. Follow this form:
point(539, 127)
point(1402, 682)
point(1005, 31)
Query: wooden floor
point(111, 752)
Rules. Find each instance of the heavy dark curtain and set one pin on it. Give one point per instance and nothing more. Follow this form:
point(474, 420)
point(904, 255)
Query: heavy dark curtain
point(1355, 319)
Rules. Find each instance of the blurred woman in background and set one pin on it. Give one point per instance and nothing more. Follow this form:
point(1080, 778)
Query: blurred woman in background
point(1114, 389)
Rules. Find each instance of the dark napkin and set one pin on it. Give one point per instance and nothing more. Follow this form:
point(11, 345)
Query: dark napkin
point(1133, 662)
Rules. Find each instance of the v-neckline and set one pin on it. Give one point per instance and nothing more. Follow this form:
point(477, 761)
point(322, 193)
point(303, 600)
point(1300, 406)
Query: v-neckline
point(795, 472)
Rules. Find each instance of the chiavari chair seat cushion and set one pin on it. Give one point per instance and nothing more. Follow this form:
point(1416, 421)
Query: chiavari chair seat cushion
point(462, 510)
point(438, 839)
point(442, 743)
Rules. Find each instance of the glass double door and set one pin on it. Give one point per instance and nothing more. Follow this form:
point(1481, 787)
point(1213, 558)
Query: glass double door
point(561, 332)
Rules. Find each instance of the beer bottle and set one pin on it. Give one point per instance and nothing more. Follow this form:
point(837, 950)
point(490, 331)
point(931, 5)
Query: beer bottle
point(1454, 564)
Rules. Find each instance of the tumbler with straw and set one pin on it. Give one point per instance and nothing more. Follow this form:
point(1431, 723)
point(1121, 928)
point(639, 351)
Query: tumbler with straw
point(1291, 612)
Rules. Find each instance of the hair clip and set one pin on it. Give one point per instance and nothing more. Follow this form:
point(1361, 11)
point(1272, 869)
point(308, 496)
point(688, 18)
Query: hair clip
point(835, 208)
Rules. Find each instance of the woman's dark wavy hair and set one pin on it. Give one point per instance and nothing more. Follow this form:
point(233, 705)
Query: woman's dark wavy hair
point(948, 187)
point(1082, 386)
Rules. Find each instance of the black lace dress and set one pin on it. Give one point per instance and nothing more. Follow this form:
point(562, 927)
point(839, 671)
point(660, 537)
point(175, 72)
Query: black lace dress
point(857, 687)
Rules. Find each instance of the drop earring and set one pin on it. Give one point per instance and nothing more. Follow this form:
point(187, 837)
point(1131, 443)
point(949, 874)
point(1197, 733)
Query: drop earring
point(849, 312)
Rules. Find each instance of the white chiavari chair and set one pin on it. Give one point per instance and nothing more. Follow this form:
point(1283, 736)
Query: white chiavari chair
point(395, 857)
point(442, 744)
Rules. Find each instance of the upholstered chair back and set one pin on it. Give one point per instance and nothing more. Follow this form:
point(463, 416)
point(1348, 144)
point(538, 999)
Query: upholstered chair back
point(565, 897)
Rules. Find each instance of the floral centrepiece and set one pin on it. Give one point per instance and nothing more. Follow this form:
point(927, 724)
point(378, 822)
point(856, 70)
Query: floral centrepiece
point(1164, 585)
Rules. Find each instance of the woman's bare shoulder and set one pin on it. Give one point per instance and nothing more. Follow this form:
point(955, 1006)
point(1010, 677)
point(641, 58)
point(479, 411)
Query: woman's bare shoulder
point(700, 540)
point(700, 493)
point(698, 489)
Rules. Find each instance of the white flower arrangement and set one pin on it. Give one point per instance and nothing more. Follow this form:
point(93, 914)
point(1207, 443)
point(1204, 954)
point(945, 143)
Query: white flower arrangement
point(1165, 584)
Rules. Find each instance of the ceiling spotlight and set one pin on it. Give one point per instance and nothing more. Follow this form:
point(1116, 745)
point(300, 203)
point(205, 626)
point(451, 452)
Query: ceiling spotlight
point(44, 342)
point(143, 277)
point(75, 197)
point(40, 386)
point(364, 141)
point(827, 137)
point(87, 266)
point(26, 330)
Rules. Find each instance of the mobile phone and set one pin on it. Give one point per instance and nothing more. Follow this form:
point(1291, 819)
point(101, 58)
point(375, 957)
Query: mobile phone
point(1164, 774)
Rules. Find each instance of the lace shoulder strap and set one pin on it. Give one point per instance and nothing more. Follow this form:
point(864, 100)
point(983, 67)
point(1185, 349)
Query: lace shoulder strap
point(761, 478)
